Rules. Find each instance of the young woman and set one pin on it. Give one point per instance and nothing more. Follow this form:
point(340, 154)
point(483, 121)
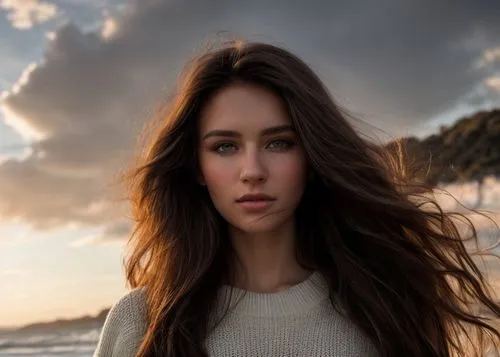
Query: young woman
point(266, 226)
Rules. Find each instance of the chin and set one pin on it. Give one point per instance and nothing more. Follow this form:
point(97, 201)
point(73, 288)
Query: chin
point(256, 229)
point(258, 225)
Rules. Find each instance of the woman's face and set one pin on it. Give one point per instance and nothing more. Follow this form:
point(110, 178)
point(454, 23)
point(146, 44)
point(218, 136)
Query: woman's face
point(248, 146)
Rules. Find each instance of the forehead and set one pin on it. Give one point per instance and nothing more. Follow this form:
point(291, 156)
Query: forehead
point(244, 108)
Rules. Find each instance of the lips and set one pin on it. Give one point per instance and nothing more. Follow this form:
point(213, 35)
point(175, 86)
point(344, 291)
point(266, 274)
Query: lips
point(255, 202)
point(255, 197)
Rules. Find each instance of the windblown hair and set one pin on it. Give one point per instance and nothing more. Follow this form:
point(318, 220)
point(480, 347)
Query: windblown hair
point(393, 258)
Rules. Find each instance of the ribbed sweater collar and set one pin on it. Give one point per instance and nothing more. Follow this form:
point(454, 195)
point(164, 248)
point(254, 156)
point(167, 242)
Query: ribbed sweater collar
point(295, 299)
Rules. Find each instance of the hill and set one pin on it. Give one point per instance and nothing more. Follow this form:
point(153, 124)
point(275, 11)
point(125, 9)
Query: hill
point(85, 322)
point(466, 151)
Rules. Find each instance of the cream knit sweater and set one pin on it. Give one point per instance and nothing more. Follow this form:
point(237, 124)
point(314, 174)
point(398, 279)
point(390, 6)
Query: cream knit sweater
point(299, 321)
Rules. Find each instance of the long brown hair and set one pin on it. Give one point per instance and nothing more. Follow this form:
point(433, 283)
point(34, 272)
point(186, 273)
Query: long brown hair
point(393, 259)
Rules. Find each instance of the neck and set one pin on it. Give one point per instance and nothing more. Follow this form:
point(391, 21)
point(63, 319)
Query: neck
point(265, 261)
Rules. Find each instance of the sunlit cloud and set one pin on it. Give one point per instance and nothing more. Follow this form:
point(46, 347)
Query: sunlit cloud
point(113, 234)
point(20, 124)
point(494, 83)
point(109, 26)
point(24, 14)
point(489, 56)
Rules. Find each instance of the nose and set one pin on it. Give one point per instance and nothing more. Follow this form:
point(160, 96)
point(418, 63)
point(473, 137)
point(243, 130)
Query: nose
point(253, 169)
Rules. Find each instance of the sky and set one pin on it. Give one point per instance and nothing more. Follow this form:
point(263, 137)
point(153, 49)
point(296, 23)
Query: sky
point(78, 79)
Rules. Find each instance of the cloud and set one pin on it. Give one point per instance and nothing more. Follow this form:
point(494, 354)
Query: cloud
point(109, 27)
point(494, 83)
point(83, 104)
point(486, 95)
point(489, 57)
point(24, 14)
point(112, 234)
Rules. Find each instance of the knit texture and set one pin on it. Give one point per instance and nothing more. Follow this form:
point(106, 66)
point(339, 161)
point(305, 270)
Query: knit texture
point(299, 321)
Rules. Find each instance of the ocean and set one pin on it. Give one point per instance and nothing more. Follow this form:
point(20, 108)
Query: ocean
point(77, 343)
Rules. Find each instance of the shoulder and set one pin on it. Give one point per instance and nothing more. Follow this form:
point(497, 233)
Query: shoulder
point(132, 304)
point(124, 326)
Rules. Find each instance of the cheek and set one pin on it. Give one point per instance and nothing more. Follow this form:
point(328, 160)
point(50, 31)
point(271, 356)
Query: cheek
point(218, 177)
point(216, 173)
point(290, 171)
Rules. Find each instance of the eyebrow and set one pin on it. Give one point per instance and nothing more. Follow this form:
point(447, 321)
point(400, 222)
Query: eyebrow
point(268, 131)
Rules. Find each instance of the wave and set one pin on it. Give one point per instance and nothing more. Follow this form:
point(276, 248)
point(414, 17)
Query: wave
point(66, 343)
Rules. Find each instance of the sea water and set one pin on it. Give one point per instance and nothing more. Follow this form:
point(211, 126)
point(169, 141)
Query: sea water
point(77, 343)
